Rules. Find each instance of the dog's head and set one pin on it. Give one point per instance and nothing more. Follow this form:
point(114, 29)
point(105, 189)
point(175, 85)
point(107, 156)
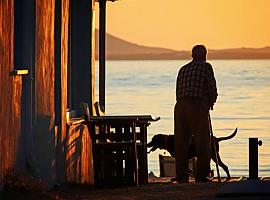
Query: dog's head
point(158, 141)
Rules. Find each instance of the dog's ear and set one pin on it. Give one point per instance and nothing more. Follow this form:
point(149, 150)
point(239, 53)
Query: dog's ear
point(150, 144)
point(152, 149)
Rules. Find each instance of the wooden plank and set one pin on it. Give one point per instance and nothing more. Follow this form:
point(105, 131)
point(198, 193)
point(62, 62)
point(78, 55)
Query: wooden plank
point(127, 118)
point(10, 92)
point(93, 54)
point(102, 53)
point(45, 67)
point(24, 64)
point(58, 62)
point(44, 126)
point(81, 29)
point(61, 63)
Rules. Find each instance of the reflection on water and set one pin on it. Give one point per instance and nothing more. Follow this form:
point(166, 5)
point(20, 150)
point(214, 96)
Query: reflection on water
point(148, 87)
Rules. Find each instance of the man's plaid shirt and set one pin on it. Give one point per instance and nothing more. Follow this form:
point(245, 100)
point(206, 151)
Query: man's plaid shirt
point(196, 79)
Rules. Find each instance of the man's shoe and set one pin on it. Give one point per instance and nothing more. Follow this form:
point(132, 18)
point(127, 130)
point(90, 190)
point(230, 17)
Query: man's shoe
point(203, 180)
point(180, 180)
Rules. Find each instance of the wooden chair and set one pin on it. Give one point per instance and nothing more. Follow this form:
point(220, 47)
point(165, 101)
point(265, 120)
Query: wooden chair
point(114, 150)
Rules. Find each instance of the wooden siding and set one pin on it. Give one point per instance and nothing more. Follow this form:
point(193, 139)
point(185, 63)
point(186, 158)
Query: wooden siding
point(64, 61)
point(79, 155)
point(44, 133)
point(10, 91)
point(45, 57)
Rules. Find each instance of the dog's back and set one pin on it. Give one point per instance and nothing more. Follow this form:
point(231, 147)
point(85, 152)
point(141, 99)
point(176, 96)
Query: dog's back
point(166, 142)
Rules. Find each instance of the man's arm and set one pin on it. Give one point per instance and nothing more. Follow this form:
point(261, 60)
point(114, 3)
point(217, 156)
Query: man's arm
point(212, 87)
point(177, 86)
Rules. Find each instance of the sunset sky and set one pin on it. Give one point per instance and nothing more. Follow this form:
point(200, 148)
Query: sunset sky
point(179, 24)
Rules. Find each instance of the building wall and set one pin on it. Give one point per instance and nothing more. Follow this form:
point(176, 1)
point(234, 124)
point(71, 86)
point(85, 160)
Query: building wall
point(74, 152)
point(10, 91)
point(56, 147)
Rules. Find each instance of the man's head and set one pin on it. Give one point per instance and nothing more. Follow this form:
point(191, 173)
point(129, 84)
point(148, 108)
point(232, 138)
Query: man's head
point(199, 52)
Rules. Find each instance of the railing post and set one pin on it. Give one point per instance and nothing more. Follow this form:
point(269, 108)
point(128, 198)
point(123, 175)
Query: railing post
point(253, 158)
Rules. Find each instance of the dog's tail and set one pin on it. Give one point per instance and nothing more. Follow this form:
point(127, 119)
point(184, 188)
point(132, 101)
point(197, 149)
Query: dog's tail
point(227, 137)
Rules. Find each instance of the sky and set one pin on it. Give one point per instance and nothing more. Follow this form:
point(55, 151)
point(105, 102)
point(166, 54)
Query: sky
point(180, 24)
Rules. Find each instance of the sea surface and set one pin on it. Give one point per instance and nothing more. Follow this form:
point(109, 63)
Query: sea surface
point(148, 87)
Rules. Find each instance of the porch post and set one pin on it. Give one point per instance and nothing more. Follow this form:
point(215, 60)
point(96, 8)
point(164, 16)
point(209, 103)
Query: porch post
point(102, 52)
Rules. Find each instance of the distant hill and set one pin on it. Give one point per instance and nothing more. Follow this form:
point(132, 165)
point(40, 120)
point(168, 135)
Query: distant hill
point(119, 49)
point(240, 53)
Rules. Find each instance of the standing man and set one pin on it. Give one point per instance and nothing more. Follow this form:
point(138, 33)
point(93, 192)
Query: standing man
point(196, 93)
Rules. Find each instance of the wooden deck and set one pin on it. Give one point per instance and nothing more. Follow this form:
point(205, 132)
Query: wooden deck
point(157, 188)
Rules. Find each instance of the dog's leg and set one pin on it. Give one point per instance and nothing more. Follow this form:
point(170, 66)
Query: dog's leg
point(224, 167)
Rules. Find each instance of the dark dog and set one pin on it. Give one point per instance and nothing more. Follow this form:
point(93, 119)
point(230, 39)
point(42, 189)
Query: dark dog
point(167, 142)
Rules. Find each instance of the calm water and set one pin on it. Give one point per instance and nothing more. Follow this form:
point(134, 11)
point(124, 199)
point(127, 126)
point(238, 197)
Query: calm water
point(148, 87)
